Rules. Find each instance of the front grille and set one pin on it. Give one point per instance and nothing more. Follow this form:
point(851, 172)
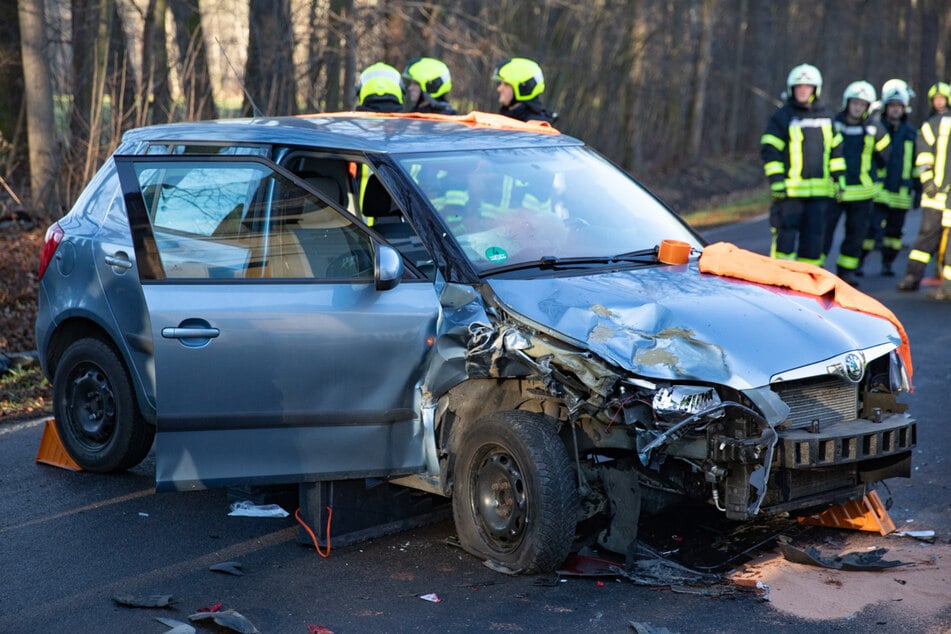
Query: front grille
point(827, 400)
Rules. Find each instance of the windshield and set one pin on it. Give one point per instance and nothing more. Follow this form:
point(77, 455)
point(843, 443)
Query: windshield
point(550, 205)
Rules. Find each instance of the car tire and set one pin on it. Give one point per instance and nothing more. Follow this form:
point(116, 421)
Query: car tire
point(514, 495)
point(95, 409)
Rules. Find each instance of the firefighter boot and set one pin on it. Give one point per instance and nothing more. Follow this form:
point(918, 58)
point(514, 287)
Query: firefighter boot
point(942, 293)
point(848, 276)
point(887, 270)
point(909, 283)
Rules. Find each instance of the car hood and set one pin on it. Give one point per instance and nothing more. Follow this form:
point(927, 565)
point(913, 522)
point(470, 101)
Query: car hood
point(672, 322)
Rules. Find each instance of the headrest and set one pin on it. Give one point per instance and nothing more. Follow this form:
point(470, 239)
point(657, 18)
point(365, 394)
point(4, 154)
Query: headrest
point(377, 202)
point(331, 188)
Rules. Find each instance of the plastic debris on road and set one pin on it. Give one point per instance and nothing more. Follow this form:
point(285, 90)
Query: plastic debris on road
point(871, 560)
point(178, 627)
point(144, 601)
point(925, 536)
point(247, 508)
point(229, 619)
point(229, 567)
point(431, 597)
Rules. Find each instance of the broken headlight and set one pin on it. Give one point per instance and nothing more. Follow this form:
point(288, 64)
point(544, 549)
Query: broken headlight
point(679, 401)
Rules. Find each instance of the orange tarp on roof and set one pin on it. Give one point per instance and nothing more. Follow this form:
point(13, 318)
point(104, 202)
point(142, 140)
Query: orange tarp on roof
point(729, 260)
point(474, 119)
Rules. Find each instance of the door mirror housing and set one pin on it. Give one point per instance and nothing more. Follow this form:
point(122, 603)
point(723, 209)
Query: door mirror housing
point(387, 267)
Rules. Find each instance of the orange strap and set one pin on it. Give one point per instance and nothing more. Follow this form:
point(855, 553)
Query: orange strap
point(729, 260)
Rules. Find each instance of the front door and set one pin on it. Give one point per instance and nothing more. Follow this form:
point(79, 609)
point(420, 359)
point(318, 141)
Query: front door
point(276, 358)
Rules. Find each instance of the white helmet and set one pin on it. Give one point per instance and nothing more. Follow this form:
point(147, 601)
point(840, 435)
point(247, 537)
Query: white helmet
point(897, 90)
point(806, 74)
point(858, 90)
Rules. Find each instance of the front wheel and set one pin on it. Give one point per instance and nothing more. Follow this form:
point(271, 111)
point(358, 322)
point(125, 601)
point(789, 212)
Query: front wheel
point(514, 497)
point(95, 410)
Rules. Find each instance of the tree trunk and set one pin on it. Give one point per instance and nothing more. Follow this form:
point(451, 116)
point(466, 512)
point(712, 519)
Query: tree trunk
point(91, 27)
point(738, 93)
point(41, 128)
point(394, 39)
point(11, 73)
point(317, 44)
point(193, 61)
point(269, 73)
point(155, 97)
point(701, 72)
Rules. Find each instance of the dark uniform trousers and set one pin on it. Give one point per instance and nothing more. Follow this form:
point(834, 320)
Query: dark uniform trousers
point(802, 219)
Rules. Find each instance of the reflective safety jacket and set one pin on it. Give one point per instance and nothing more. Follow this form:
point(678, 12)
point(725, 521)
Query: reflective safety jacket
point(801, 152)
point(934, 163)
point(433, 105)
point(899, 177)
point(865, 147)
point(532, 110)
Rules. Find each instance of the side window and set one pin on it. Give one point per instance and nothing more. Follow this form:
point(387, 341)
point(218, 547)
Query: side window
point(355, 187)
point(240, 220)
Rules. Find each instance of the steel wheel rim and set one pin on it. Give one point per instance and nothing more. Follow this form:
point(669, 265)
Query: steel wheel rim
point(91, 406)
point(499, 498)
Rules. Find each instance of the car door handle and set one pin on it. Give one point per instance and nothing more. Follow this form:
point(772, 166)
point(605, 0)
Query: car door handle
point(190, 333)
point(119, 261)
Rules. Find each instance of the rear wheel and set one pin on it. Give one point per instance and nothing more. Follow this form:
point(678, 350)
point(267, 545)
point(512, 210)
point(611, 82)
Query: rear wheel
point(514, 496)
point(95, 410)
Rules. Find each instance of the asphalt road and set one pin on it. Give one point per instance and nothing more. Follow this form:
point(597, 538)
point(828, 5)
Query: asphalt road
point(70, 542)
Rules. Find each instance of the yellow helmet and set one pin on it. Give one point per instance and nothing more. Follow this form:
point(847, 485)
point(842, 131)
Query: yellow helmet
point(431, 74)
point(940, 88)
point(380, 79)
point(523, 75)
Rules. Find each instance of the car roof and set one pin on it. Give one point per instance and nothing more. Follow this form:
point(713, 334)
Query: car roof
point(367, 132)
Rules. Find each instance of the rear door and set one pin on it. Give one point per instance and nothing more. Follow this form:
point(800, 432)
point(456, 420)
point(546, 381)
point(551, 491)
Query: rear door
point(276, 359)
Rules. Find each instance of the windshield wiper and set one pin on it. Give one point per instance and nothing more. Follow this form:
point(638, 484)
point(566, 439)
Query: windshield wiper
point(550, 262)
point(636, 256)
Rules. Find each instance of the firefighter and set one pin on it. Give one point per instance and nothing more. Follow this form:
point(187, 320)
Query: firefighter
point(521, 84)
point(938, 97)
point(934, 164)
point(865, 148)
point(899, 178)
point(380, 89)
point(428, 82)
point(801, 157)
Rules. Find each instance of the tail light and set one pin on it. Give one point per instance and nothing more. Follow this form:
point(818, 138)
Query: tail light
point(54, 235)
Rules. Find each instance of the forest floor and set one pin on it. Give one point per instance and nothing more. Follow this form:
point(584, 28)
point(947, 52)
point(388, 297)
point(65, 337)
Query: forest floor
point(715, 193)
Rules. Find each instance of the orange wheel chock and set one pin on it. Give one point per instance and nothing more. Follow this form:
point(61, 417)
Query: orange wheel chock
point(865, 514)
point(51, 450)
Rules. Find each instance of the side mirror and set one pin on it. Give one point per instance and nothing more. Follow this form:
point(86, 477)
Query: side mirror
point(387, 267)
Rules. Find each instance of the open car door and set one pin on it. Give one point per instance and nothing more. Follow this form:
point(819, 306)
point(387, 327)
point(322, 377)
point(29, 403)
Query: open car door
point(277, 359)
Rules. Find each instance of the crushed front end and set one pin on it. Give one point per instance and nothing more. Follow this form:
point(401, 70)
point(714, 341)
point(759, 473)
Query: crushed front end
point(811, 437)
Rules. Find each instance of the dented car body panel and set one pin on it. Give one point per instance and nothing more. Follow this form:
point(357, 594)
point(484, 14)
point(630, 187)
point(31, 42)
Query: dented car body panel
point(671, 322)
point(457, 307)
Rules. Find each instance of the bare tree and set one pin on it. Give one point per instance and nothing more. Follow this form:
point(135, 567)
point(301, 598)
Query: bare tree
point(738, 77)
point(269, 73)
point(193, 61)
point(11, 76)
point(41, 128)
point(701, 73)
point(648, 83)
point(155, 97)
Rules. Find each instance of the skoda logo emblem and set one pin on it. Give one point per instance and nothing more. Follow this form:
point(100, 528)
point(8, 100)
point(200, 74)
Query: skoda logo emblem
point(854, 367)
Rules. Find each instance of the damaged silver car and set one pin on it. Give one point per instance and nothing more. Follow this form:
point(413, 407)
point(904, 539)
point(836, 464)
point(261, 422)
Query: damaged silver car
point(476, 308)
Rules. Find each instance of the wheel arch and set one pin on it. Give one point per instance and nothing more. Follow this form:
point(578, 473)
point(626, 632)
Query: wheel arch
point(469, 401)
point(80, 327)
